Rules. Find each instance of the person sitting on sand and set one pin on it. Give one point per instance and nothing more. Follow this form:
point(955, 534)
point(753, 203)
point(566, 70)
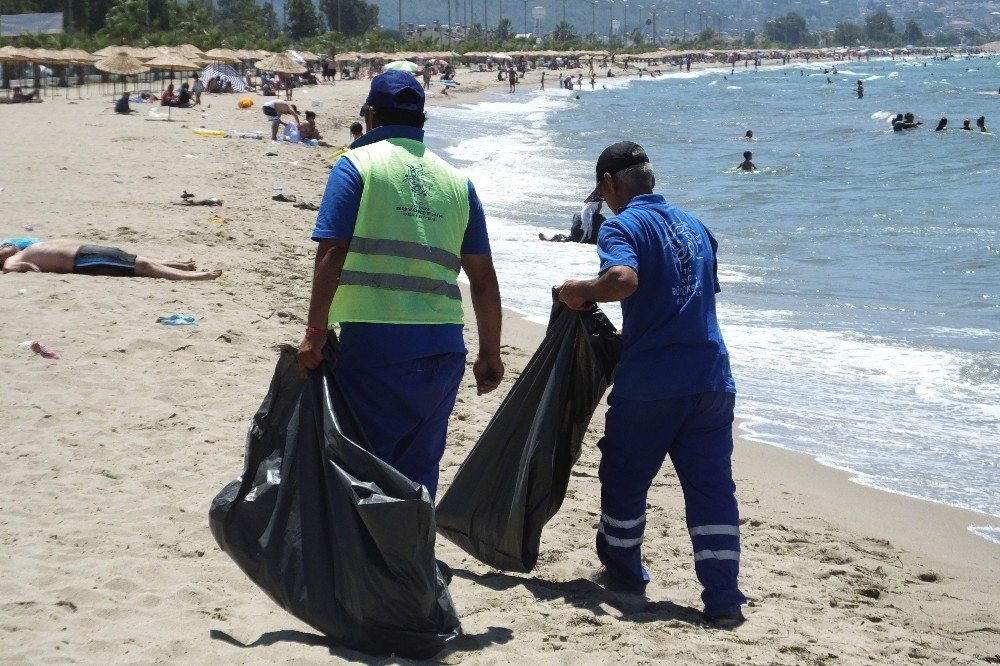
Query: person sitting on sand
point(65, 256)
point(357, 129)
point(747, 163)
point(308, 130)
point(183, 97)
point(274, 110)
point(167, 98)
point(21, 97)
point(121, 106)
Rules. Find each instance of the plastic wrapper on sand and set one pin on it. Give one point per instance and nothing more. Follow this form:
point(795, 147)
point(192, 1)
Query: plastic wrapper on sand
point(337, 537)
point(515, 478)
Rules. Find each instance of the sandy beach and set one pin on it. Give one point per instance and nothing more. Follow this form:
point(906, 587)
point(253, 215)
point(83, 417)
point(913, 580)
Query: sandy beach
point(115, 450)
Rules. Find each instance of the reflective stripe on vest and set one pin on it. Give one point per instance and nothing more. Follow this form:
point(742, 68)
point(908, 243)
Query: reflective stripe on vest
point(403, 261)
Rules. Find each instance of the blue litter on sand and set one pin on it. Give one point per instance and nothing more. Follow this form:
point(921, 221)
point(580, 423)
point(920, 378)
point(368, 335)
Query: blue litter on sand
point(177, 320)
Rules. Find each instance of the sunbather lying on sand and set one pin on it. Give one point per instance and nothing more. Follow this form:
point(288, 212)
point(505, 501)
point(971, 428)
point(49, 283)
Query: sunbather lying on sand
point(65, 256)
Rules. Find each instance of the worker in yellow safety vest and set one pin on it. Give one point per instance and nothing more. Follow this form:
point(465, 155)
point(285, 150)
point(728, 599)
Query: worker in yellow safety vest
point(396, 225)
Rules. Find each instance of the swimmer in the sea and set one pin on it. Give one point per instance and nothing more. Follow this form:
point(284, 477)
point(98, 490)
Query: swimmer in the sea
point(910, 122)
point(749, 135)
point(967, 124)
point(981, 123)
point(942, 125)
point(747, 163)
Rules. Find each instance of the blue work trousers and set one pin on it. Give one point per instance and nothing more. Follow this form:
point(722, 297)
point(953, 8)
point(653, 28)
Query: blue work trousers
point(696, 432)
point(404, 409)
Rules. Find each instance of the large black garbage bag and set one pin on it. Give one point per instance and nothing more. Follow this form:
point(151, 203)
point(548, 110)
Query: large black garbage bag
point(336, 536)
point(515, 478)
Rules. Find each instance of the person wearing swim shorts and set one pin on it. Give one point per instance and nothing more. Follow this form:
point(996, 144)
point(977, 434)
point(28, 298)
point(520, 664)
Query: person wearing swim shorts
point(65, 256)
point(274, 110)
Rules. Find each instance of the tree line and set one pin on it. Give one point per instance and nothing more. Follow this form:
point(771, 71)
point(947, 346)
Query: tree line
point(353, 24)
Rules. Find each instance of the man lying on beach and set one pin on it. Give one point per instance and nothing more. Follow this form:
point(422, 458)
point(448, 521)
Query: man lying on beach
point(23, 255)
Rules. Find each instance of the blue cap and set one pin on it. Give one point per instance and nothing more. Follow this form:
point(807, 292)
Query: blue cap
point(389, 91)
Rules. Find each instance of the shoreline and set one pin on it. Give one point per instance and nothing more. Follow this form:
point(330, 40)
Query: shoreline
point(826, 485)
point(974, 517)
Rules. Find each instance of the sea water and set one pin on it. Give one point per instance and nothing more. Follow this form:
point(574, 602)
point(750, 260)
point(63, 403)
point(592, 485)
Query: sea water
point(860, 266)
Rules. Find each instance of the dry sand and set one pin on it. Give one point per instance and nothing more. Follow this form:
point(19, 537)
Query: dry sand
point(113, 452)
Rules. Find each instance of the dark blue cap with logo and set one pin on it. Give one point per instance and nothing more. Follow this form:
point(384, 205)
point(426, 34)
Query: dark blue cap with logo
point(395, 89)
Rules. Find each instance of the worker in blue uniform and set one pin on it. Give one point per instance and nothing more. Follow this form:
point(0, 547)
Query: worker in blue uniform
point(396, 225)
point(674, 393)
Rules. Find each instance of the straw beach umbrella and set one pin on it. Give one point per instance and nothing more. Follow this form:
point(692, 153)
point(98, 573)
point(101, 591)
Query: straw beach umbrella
point(122, 64)
point(172, 62)
point(280, 63)
point(223, 55)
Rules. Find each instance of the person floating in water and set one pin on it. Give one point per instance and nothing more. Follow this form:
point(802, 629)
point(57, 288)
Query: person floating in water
point(747, 163)
point(897, 123)
point(942, 125)
point(981, 123)
point(749, 135)
point(910, 122)
point(967, 124)
point(861, 89)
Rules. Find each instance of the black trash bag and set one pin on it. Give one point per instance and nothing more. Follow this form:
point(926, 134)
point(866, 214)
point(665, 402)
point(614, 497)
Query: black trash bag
point(337, 537)
point(515, 478)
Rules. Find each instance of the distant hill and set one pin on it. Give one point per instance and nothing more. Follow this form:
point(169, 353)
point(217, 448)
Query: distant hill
point(674, 16)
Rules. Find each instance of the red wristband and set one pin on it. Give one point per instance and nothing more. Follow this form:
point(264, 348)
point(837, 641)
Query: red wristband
point(312, 330)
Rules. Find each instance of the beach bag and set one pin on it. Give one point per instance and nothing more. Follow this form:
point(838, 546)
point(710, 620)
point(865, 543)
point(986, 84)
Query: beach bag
point(291, 133)
point(334, 535)
point(515, 478)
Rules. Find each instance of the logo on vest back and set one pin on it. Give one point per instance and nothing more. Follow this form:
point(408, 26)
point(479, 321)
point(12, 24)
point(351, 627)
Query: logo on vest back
point(413, 177)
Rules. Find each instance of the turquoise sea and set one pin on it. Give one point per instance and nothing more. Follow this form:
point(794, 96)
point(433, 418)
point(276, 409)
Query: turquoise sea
point(860, 267)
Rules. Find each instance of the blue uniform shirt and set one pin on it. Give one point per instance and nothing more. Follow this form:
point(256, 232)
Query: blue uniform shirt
point(365, 345)
point(672, 344)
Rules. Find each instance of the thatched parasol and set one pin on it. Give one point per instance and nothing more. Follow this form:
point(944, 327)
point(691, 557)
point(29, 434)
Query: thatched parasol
point(77, 56)
point(174, 62)
point(122, 63)
point(190, 51)
point(223, 55)
point(308, 56)
point(280, 63)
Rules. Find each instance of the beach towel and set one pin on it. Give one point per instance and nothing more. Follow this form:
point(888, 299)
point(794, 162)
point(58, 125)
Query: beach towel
point(334, 535)
point(515, 479)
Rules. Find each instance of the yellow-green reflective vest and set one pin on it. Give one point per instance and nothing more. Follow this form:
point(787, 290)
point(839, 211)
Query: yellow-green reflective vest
point(403, 262)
